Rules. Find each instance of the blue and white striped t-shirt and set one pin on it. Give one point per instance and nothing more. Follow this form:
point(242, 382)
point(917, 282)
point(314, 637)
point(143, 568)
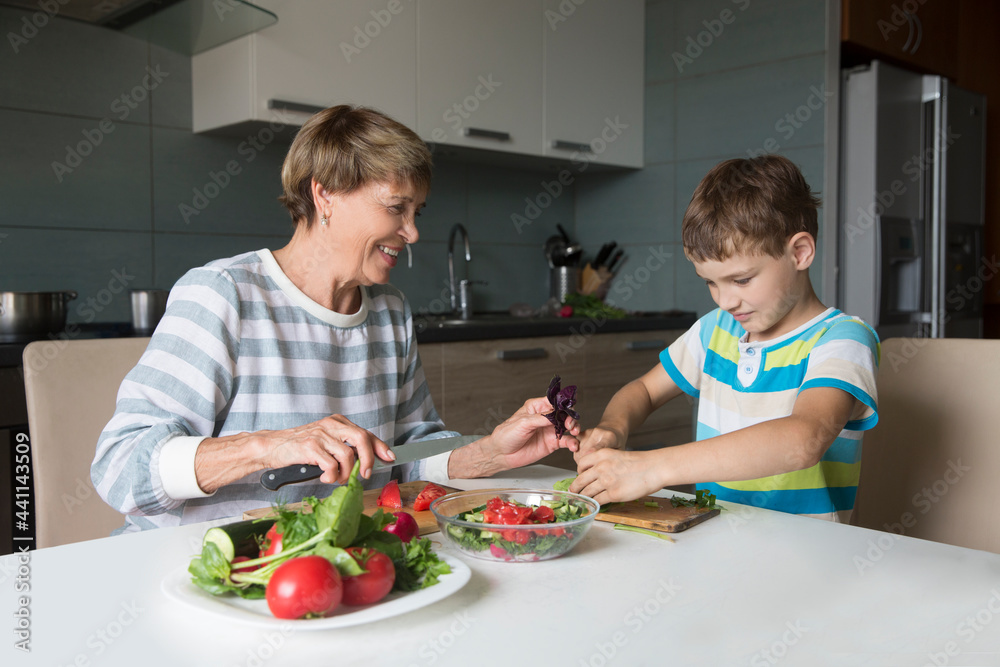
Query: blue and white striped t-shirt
point(241, 349)
point(740, 384)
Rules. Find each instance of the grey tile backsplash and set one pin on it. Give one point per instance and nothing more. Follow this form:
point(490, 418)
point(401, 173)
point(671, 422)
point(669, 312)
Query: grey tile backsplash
point(96, 187)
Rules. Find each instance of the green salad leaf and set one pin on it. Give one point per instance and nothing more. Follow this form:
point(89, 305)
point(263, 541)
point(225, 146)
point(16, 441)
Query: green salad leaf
point(341, 511)
point(420, 567)
point(564, 484)
point(335, 522)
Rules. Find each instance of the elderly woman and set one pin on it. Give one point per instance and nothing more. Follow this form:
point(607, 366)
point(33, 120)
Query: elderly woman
point(304, 355)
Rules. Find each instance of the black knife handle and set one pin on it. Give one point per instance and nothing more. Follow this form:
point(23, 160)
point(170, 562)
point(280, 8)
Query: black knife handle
point(277, 477)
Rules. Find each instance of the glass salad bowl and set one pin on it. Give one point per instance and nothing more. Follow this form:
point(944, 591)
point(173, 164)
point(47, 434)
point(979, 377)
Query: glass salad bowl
point(514, 525)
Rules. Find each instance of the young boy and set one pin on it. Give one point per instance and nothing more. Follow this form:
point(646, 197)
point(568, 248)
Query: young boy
point(786, 385)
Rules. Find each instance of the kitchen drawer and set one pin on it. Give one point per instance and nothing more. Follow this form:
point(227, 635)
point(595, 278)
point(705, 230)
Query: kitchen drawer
point(478, 384)
point(487, 381)
point(614, 360)
point(430, 361)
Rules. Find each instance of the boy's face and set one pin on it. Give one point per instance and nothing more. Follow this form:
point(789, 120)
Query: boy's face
point(762, 292)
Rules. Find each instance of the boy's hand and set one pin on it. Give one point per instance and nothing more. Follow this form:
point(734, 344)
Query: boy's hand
point(609, 475)
point(597, 438)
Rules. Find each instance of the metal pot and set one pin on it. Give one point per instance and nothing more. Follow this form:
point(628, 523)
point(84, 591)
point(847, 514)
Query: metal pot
point(26, 316)
point(147, 309)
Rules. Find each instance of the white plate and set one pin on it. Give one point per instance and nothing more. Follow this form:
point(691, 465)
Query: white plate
point(177, 586)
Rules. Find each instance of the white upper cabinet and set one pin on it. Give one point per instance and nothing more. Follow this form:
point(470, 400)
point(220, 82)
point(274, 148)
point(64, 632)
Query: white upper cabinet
point(542, 78)
point(594, 58)
point(479, 74)
point(318, 54)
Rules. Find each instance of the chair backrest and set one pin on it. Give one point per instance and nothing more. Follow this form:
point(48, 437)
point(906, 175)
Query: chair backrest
point(71, 388)
point(929, 468)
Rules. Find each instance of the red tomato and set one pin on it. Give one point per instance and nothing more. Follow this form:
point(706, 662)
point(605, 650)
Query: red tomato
point(308, 586)
point(506, 513)
point(517, 536)
point(429, 493)
point(272, 542)
point(543, 514)
point(373, 584)
point(390, 496)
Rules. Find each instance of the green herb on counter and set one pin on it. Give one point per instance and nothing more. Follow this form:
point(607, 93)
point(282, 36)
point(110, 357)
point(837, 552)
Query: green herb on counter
point(588, 305)
point(702, 500)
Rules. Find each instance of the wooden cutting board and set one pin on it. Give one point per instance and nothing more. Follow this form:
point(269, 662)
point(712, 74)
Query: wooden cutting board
point(664, 517)
point(408, 492)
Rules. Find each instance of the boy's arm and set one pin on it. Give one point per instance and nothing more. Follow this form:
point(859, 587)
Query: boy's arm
point(769, 448)
point(628, 409)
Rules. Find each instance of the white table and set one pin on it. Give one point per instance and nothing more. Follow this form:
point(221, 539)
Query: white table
point(750, 587)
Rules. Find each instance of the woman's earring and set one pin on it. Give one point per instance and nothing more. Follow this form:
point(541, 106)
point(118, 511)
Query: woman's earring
point(409, 257)
point(324, 220)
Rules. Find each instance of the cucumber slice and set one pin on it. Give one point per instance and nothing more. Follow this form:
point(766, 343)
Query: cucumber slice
point(240, 538)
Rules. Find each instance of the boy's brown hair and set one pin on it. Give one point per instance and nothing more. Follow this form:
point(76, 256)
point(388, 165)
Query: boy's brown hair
point(751, 206)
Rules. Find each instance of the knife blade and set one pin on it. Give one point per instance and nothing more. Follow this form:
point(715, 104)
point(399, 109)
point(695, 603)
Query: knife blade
point(275, 478)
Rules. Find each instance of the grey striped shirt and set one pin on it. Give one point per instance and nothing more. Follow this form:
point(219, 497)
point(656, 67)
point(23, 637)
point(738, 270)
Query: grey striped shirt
point(241, 349)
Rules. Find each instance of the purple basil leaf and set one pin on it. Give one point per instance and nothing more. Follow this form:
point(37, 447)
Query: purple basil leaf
point(553, 391)
point(562, 400)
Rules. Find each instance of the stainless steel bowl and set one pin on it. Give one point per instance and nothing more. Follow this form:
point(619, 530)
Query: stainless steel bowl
point(26, 316)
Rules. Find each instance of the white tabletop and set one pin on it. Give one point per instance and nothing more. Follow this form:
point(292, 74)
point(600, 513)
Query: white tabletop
point(750, 587)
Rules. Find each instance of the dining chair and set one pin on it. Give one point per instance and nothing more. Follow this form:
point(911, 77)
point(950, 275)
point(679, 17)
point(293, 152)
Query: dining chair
point(929, 468)
point(71, 388)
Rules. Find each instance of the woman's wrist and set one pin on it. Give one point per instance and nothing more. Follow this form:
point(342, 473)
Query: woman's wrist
point(478, 459)
point(222, 461)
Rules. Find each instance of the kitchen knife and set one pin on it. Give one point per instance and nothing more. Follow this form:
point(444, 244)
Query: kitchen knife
point(275, 478)
point(603, 254)
point(613, 264)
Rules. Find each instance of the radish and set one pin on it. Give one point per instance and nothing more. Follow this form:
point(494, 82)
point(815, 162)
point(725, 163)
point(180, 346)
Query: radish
point(405, 527)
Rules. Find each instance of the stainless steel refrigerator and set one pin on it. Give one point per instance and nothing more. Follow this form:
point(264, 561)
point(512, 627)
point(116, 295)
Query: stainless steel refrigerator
point(911, 203)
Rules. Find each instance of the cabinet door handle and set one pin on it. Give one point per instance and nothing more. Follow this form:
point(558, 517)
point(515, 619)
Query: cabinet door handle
point(639, 345)
point(915, 26)
point(517, 355)
point(285, 105)
point(572, 146)
point(487, 134)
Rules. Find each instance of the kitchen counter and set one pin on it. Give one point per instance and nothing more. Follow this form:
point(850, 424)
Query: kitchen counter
point(749, 587)
point(11, 353)
point(435, 329)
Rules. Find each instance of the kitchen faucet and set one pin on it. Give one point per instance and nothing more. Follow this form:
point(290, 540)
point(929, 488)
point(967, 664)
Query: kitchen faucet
point(455, 301)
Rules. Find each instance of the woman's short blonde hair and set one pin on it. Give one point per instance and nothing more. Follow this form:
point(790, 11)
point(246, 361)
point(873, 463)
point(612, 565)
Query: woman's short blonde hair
point(347, 147)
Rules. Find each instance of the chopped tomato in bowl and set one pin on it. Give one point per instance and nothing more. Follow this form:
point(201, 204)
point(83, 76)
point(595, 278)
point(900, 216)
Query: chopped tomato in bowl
point(514, 525)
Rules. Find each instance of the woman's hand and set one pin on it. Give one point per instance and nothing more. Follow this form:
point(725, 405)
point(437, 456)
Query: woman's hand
point(528, 435)
point(330, 443)
point(601, 436)
point(521, 440)
point(609, 475)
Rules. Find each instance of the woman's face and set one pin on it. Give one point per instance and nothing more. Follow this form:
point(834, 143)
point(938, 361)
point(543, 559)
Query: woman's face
point(371, 226)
